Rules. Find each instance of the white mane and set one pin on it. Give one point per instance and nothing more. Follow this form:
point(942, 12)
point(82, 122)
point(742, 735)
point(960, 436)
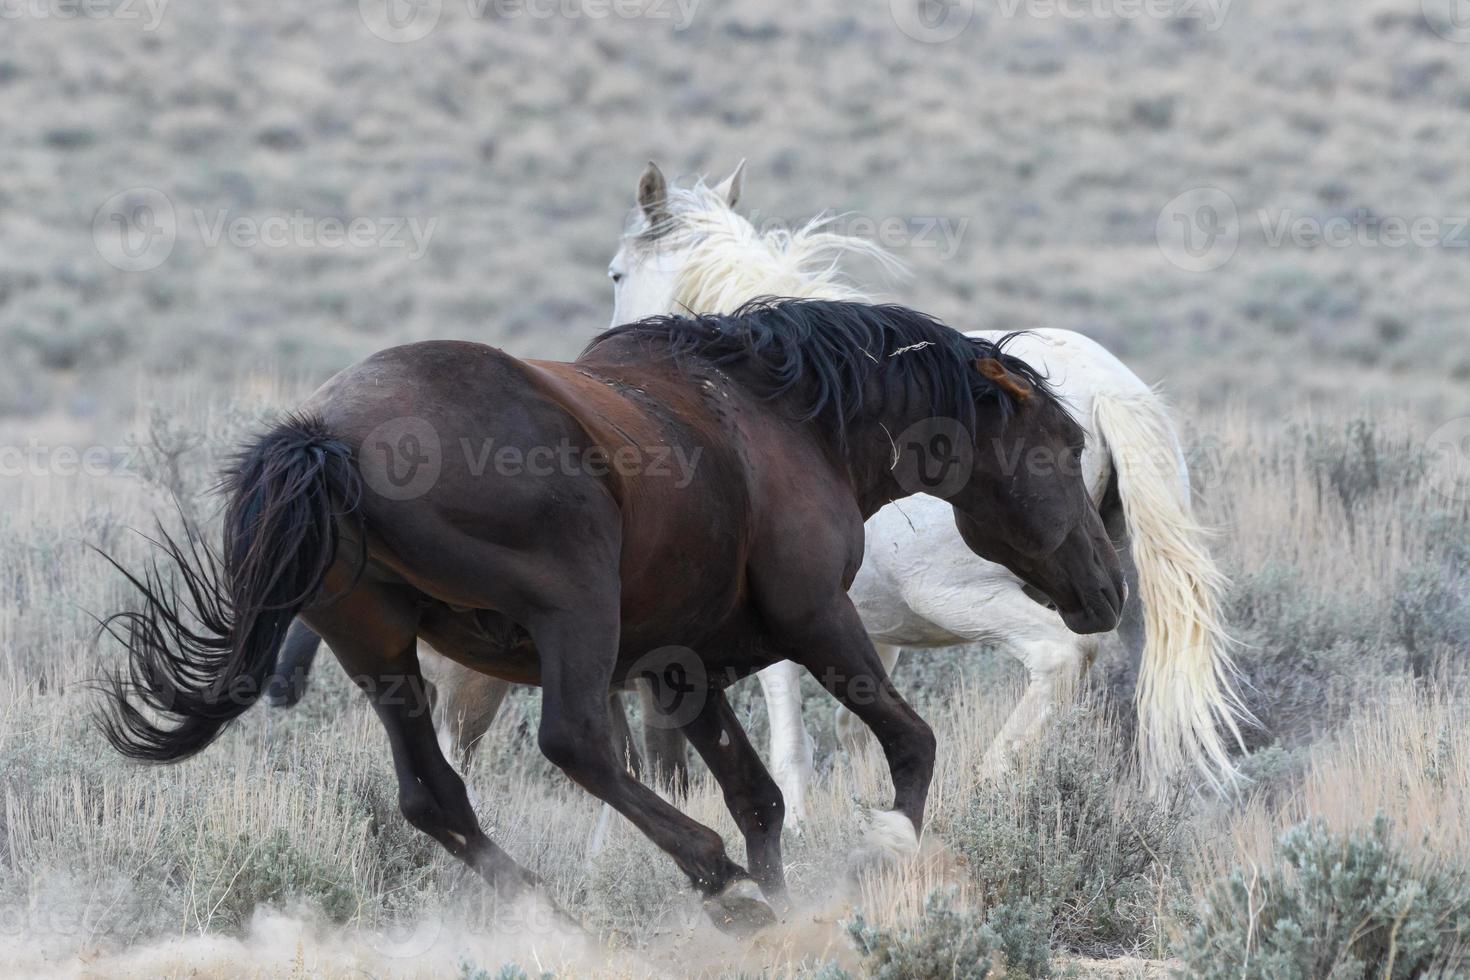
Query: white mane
point(730, 261)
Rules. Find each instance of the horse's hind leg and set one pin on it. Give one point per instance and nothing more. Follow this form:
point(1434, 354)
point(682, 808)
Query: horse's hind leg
point(578, 649)
point(751, 794)
point(287, 682)
point(375, 642)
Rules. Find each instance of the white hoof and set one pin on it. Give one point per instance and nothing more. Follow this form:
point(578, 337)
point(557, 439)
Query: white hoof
point(888, 840)
point(890, 832)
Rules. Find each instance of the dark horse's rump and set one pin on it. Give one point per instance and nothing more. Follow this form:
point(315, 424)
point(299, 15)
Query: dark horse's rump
point(543, 512)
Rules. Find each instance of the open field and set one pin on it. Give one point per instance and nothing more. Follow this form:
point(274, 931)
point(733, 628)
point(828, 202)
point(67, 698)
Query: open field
point(1025, 170)
point(282, 846)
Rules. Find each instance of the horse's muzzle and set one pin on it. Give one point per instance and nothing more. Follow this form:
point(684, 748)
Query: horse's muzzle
point(1092, 601)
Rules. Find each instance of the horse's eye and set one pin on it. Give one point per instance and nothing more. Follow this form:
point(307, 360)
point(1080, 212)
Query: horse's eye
point(616, 277)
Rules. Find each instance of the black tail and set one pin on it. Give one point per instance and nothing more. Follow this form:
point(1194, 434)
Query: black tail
point(202, 665)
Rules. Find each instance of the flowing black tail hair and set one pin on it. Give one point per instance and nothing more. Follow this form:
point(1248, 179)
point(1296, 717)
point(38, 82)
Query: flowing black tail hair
point(205, 640)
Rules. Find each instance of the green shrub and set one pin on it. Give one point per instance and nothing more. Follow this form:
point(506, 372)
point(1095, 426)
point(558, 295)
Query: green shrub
point(510, 971)
point(236, 876)
point(1335, 906)
point(943, 944)
point(1087, 850)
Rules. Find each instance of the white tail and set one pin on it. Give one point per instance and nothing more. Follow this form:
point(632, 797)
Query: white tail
point(1185, 691)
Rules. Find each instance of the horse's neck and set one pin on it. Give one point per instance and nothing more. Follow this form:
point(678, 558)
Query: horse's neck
point(873, 450)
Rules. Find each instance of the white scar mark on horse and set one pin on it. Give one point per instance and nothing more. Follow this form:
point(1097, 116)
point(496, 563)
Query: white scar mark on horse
point(458, 838)
point(918, 346)
point(724, 739)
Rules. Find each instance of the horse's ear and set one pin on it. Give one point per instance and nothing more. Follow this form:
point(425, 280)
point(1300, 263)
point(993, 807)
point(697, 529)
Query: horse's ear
point(729, 188)
point(1004, 378)
point(653, 194)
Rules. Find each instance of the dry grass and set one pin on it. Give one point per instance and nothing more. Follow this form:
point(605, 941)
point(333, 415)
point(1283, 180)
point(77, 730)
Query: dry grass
point(1053, 145)
point(279, 852)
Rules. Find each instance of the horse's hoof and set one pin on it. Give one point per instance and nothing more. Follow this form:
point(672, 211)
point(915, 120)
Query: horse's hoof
point(738, 911)
point(889, 840)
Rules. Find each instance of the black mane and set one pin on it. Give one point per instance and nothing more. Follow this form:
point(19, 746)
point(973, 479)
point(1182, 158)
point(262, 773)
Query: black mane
point(836, 349)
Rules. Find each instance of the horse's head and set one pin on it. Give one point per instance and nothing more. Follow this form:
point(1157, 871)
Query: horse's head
point(687, 250)
point(1024, 503)
point(657, 243)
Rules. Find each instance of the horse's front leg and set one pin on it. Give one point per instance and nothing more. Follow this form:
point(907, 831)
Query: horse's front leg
point(835, 647)
point(850, 730)
point(1055, 668)
point(792, 750)
point(578, 649)
point(751, 794)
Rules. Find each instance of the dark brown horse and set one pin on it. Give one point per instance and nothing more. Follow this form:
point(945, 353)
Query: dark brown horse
point(683, 504)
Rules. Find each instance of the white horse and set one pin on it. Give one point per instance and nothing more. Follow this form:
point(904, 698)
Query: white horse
point(919, 586)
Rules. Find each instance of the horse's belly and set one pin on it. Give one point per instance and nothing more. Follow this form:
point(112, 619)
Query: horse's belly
point(888, 619)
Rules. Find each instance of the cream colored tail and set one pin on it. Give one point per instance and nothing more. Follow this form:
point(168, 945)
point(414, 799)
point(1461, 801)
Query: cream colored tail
point(1185, 691)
